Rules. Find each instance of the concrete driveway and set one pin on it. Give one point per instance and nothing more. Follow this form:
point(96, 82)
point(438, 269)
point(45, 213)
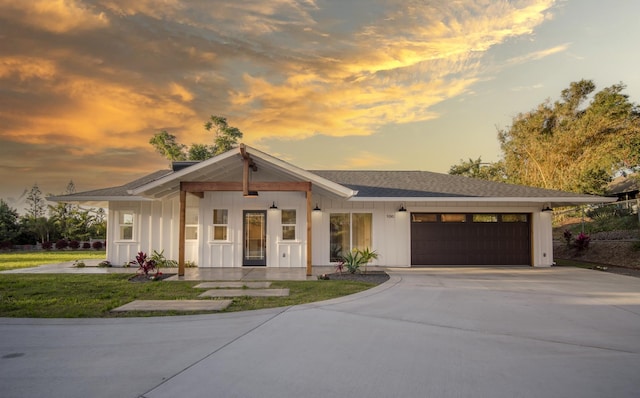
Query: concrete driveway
point(470, 332)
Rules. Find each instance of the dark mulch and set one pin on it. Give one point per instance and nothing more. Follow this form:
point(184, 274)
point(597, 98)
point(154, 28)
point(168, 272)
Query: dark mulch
point(618, 270)
point(141, 278)
point(376, 277)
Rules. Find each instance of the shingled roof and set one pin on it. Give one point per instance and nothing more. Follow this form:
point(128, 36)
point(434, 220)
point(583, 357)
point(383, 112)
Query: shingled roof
point(425, 184)
point(112, 193)
point(379, 185)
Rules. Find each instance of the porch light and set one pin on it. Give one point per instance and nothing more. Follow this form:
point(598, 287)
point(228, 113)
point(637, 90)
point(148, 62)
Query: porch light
point(317, 208)
point(273, 206)
point(547, 208)
point(402, 208)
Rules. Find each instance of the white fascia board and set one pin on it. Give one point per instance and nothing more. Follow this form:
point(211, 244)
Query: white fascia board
point(305, 175)
point(572, 200)
point(67, 199)
point(181, 173)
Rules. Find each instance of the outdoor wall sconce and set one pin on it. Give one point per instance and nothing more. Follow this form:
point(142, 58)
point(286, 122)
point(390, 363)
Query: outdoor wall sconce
point(547, 208)
point(273, 206)
point(402, 208)
point(317, 208)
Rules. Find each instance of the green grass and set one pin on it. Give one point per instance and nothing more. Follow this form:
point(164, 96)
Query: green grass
point(575, 263)
point(13, 260)
point(93, 296)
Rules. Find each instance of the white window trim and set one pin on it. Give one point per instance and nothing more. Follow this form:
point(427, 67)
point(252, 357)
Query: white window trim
point(134, 226)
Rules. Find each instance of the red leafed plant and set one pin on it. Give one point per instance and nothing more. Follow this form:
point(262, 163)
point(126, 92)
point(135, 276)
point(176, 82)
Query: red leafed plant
point(144, 264)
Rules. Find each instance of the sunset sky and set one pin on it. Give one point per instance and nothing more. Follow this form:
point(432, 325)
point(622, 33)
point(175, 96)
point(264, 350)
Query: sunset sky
point(340, 84)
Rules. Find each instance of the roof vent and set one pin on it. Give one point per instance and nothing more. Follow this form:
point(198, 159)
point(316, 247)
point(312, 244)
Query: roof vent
point(177, 166)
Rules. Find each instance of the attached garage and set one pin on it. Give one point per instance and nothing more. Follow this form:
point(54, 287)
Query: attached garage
point(470, 239)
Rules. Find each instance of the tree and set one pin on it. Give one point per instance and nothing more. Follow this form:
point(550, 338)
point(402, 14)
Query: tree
point(225, 137)
point(166, 145)
point(200, 152)
point(478, 169)
point(35, 202)
point(9, 226)
point(572, 145)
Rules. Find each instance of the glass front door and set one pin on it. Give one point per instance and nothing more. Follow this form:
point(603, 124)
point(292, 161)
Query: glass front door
point(255, 238)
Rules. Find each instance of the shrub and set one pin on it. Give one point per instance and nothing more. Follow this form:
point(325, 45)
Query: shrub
point(86, 245)
point(161, 261)
point(79, 264)
point(47, 245)
point(104, 264)
point(74, 244)
point(62, 244)
point(145, 265)
point(6, 245)
point(356, 258)
point(582, 241)
point(97, 245)
point(567, 237)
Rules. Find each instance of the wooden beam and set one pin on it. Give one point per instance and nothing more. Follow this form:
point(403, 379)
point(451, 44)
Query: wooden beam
point(195, 186)
point(309, 237)
point(245, 176)
point(181, 239)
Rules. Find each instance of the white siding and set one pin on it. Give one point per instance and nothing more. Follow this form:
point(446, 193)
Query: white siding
point(157, 222)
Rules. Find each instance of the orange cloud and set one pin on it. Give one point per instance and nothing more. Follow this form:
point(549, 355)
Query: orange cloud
point(57, 16)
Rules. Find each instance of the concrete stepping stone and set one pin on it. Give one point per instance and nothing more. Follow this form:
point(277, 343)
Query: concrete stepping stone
point(233, 284)
point(174, 305)
point(245, 292)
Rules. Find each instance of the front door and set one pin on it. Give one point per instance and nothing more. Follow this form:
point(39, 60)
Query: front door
point(254, 251)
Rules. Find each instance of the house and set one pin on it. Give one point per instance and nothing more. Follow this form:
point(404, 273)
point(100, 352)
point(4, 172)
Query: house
point(248, 208)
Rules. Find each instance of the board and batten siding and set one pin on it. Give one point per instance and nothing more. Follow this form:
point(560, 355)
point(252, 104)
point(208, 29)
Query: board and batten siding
point(155, 227)
point(228, 253)
point(392, 228)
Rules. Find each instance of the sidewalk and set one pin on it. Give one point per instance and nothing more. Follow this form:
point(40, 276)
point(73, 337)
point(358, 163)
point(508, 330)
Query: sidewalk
point(191, 274)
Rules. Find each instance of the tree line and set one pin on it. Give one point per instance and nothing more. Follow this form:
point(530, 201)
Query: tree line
point(49, 223)
point(577, 143)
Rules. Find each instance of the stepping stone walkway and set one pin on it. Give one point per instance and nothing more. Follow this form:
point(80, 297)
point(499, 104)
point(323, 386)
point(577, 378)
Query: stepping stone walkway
point(245, 292)
point(217, 289)
point(233, 284)
point(174, 305)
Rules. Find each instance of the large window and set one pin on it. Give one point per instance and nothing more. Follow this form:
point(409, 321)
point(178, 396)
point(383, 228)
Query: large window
point(220, 224)
point(288, 219)
point(125, 225)
point(191, 223)
point(349, 231)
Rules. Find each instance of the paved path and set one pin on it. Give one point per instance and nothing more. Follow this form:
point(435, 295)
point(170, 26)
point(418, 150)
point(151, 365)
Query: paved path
point(559, 332)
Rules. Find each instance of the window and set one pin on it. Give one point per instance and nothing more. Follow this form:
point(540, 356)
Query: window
point(191, 223)
point(220, 224)
point(424, 217)
point(485, 218)
point(514, 218)
point(349, 231)
point(125, 222)
point(288, 218)
point(454, 217)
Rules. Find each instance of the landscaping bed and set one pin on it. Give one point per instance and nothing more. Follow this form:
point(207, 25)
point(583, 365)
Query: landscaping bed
point(619, 257)
point(376, 277)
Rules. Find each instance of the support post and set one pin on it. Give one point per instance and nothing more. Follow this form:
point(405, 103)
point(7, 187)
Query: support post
point(181, 239)
point(309, 237)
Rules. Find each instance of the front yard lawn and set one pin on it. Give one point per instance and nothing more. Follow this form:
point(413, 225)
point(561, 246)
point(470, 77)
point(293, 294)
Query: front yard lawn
point(93, 296)
point(13, 260)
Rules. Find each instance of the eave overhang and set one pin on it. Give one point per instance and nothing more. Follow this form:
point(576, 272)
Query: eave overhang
point(170, 184)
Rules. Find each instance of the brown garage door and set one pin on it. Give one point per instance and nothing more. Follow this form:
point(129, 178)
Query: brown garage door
point(470, 239)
